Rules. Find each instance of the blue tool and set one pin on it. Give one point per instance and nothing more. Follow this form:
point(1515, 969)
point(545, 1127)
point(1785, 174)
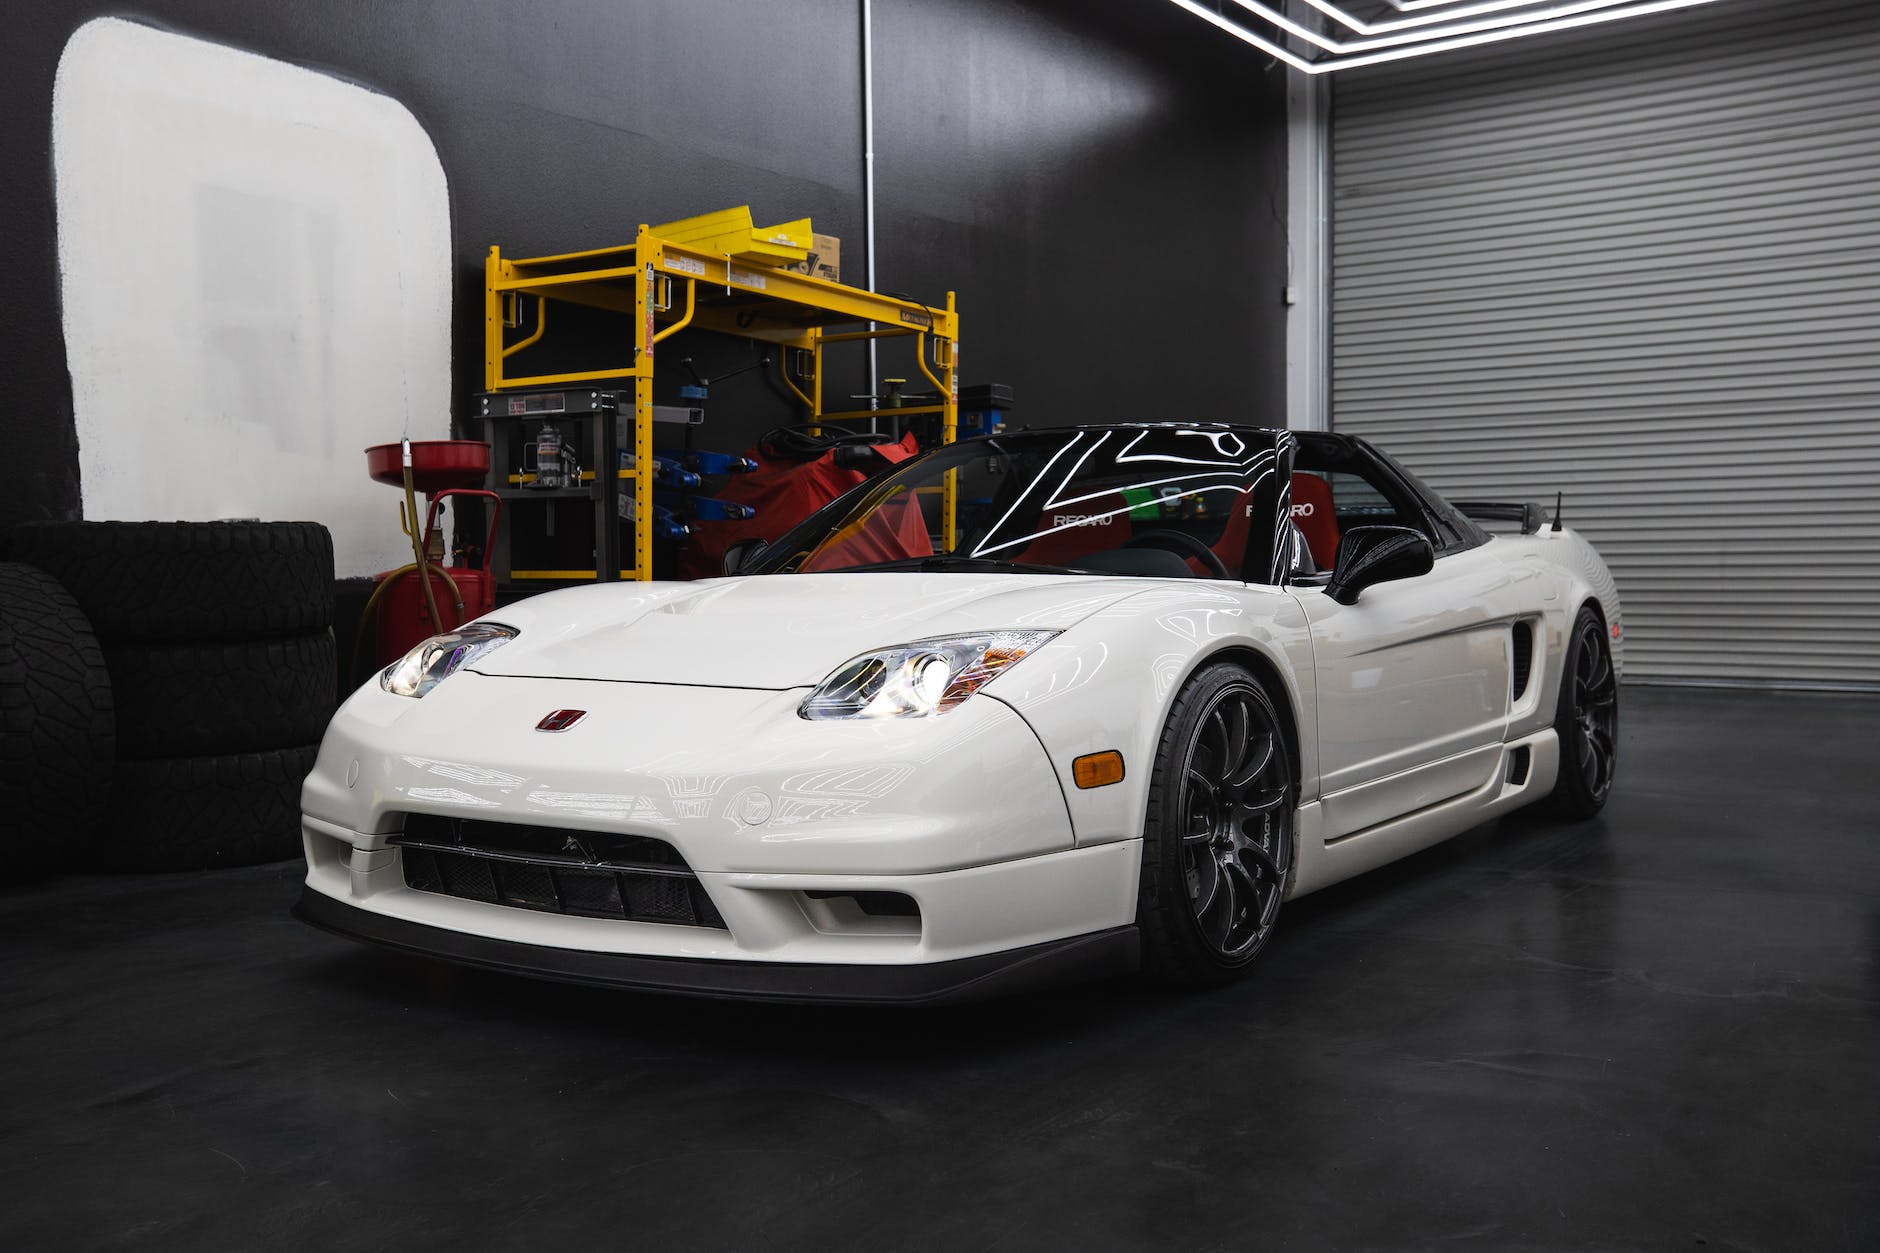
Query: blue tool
point(712, 462)
point(707, 508)
point(672, 473)
point(666, 470)
point(668, 527)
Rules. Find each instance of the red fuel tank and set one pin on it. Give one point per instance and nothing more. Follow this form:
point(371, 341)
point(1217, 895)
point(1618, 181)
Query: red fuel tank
point(403, 619)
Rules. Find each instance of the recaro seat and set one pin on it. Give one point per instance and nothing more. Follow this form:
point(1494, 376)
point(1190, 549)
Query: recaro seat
point(1097, 525)
point(1313, 513)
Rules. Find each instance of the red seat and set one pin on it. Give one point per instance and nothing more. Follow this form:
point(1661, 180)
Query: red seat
point(1231, 547)
point(1097, 525)
point(1313, 514)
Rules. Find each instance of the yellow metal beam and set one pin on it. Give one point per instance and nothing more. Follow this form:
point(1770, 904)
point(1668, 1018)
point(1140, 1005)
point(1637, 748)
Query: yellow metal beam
point(908, 411)
point(541, 325)
point(885, 332)
point(849, 303)
point(494, 270)
point(613, 299)
point(519, 281)
point(684, 320)
point(561, 257)
point(556, 380)
point(643, 248)
point(783, 372)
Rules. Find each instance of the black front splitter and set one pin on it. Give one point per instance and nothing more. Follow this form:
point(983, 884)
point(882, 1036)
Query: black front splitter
point(1079, 958)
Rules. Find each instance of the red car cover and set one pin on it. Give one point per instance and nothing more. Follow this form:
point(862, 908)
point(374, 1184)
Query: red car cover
point(895, 530)
point(783, 492)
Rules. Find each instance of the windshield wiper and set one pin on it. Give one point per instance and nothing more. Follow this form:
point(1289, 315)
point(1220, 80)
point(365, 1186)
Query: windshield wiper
point(953, 561)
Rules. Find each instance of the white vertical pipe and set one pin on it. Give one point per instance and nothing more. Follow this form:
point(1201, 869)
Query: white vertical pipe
point(1308, 260)
point(868, 184)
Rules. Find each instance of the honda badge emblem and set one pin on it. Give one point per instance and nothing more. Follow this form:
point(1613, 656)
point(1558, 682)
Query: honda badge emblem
point(561, 720)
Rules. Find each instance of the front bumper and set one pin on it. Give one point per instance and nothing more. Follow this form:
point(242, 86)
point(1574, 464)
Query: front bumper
point(1077, 958)
point(775, 918)
point(771, 817)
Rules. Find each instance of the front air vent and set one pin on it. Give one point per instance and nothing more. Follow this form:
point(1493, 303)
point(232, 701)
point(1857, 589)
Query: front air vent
point(1523, 656)
point(587, 874)
point(874, 904)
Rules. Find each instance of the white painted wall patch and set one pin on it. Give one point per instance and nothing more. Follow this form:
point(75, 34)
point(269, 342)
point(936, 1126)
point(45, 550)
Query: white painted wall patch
point(255, 268)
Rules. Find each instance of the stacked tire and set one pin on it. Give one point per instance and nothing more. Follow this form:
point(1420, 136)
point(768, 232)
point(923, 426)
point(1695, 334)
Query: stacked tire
point(56, 726)
point(218, 640)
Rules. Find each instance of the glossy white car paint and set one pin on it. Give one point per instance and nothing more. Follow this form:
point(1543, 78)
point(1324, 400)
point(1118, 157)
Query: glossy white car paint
point(1400, 703)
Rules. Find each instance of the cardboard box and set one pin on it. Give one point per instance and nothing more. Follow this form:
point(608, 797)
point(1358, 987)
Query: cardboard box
point(824, 261)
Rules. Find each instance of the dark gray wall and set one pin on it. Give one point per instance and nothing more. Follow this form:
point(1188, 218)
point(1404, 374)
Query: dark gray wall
point(1099, 181)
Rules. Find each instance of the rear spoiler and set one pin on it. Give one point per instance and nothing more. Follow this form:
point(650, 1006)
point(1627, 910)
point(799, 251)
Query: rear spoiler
point(1528, 514)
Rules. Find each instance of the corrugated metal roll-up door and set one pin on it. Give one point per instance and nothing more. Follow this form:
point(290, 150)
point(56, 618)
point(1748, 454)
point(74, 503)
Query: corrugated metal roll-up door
point(1640, 264)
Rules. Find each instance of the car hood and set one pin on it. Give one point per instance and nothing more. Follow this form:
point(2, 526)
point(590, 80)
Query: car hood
point(774, 631)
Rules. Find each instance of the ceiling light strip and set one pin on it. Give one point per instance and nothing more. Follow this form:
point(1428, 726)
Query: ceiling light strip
point(1436, 41)
point(1363, 27)
point(1508, 32)
point(1504, 21)
point(1246, 36)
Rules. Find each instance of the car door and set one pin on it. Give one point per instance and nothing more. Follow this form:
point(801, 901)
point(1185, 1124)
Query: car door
point(1413, 678)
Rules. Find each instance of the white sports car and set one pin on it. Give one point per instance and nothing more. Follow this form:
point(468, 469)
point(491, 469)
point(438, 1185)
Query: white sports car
point(1029, 708)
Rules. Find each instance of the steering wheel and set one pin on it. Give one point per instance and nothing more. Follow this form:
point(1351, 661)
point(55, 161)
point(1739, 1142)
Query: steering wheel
point(1187, 545)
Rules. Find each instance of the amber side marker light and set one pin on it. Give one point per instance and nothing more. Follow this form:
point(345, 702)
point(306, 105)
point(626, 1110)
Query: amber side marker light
point(1098, 769)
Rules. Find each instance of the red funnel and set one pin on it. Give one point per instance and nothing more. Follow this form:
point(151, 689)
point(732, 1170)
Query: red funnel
point(436, 464)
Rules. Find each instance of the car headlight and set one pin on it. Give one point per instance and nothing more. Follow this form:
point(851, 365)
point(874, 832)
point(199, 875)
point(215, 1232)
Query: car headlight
point(919, 680)
point(441, 656)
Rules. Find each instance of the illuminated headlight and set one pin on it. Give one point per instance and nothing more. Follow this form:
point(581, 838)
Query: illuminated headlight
point(441, 656)
point(921, 679)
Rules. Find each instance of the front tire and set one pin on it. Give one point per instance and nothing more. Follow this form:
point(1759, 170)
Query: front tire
point(1218, 839)
point(1587, 722)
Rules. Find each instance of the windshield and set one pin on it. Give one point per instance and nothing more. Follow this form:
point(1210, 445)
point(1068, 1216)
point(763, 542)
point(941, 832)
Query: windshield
point(1162, 501)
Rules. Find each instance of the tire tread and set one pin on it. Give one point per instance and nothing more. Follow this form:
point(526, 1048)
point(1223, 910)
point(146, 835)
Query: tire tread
point(57, 734)
point(198, 813)
point(157, 582)
point(192, 700)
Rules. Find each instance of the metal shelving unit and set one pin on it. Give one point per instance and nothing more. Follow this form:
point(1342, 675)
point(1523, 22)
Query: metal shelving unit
point(664, 286)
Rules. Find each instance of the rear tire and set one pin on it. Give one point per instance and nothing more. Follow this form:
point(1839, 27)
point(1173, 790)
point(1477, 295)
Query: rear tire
point(1586, 722)
point(56, 727)
point(1218, 849)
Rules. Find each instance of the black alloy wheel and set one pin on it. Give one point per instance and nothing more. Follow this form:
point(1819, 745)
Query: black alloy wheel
point(1218, 852)
point(1587, 721)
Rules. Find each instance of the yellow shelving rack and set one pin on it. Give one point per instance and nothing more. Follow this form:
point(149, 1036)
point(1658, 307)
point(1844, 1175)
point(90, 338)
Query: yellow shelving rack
point(665, 285)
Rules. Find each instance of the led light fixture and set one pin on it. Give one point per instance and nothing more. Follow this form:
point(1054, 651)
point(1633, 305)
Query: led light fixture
point(1465, 25)
point(1390, 34)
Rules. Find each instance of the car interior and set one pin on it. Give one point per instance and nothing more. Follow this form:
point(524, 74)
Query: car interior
point(1334, 488)
point(1142, 531)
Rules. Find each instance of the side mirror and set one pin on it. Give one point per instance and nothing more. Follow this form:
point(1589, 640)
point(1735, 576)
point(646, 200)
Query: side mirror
point(1377, 554)
point(742, 553)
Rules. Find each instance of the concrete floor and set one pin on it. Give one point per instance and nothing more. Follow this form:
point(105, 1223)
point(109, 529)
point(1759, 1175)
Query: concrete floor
point(1657, 1031)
